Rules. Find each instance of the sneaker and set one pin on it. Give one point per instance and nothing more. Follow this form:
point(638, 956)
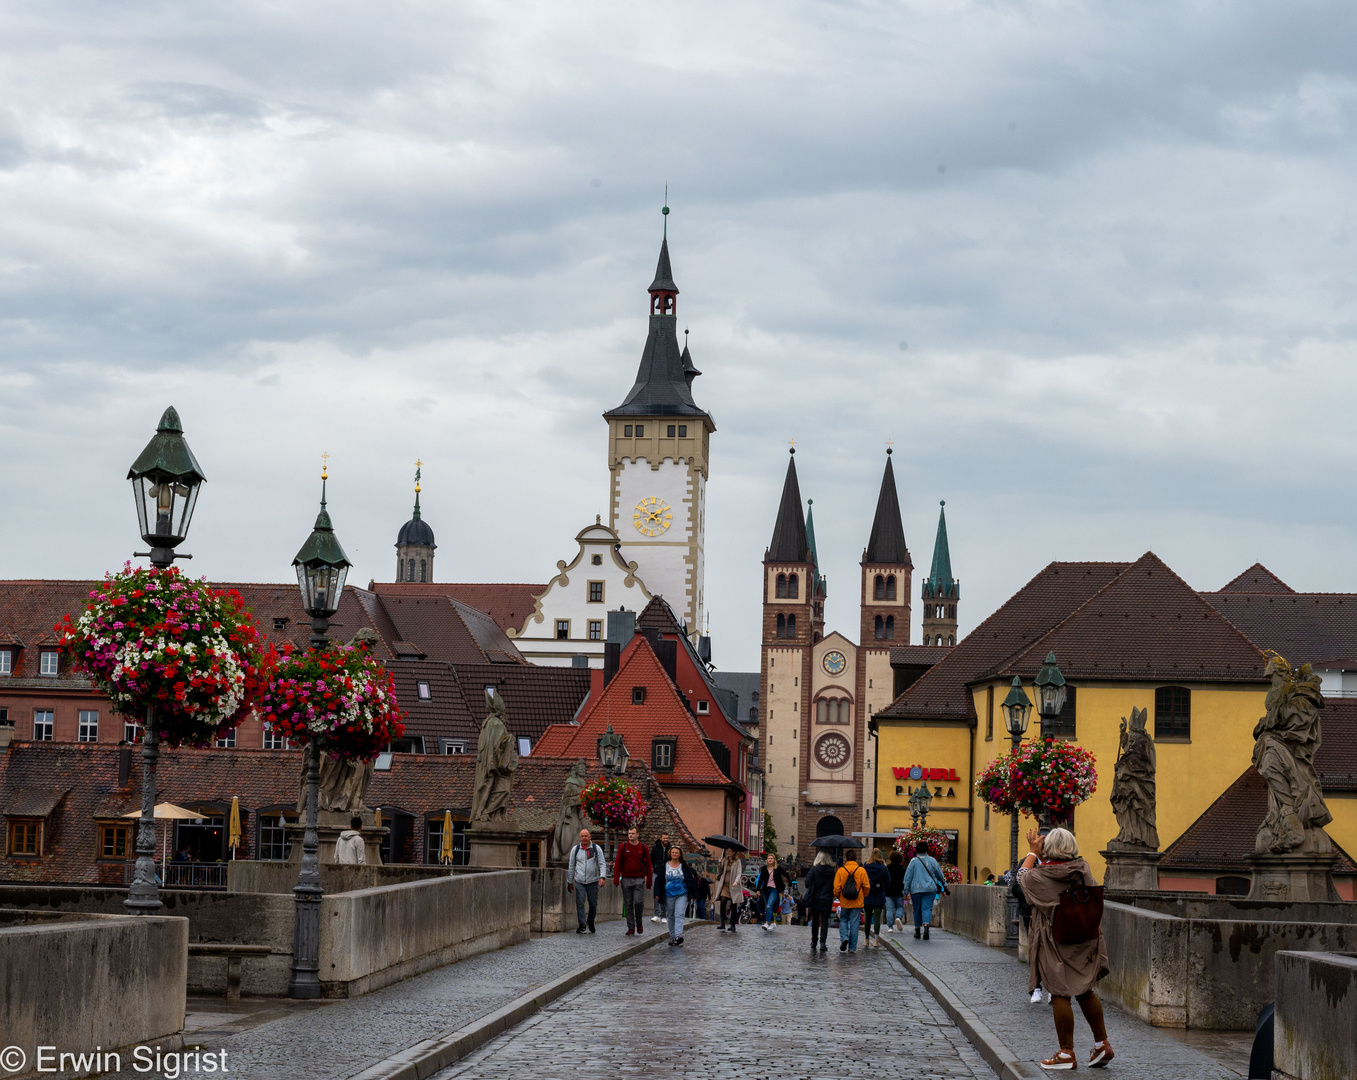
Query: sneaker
point(591, 928)
point(1061, 1062)
point(640, 928)
point(656, 918)
point(678, 940)
point(672, 941)
point(843, 946)
point(918, 932)
point(630, 932)
point(899, 926)
point(1102, 1054)
point(889, 930)
point(824, 947)
point(1035, 999)
point(582, 930)
point(925, 931)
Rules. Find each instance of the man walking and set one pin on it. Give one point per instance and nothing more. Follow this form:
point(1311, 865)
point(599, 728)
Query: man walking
point(349, 848)
point(632, 870)
point(659, 855)
point(585, 868)
point(850, 889)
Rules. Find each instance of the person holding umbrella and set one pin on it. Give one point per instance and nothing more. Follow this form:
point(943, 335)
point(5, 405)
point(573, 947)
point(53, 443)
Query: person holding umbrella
point(820, 897)
point(851, 886)
point(728, 887)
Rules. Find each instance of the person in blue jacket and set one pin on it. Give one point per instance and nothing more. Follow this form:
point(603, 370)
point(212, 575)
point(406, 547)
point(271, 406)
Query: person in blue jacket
point(680, 882)
point(924, 883)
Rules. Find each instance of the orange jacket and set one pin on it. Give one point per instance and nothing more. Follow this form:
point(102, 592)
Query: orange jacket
point(841, 878)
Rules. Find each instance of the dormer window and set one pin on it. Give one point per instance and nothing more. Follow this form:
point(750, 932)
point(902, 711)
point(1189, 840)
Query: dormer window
point(280, 622)
point(49, 662)
point(6, 662)
point(662, 755)
point(638, 695)
point(703, 708)
point(422, 690)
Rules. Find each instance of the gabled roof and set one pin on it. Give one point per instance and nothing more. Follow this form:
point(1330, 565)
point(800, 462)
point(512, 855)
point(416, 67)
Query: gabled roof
point(662, 716)
point(658, 615)
point(789, 543)
point(1225, 834)
point(1147, 623)
point(1303, 627)
point(509, 604)
point(940, 582)
point(887, 541)
point(941, 692)
point(1257, 579)
point(446, 629)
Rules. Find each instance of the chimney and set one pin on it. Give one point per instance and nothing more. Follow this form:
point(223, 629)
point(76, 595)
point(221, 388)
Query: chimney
point(621, 626)
point(124, 765)
point(612, 655)
point(704, 648)
point(667, 651)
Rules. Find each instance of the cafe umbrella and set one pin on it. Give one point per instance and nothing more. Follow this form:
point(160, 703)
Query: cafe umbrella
point(168, 812)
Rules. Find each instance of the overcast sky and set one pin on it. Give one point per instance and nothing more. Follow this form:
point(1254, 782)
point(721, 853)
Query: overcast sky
point(1090, 266)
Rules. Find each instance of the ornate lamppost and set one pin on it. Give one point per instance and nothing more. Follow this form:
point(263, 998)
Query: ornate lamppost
point(165, 481)
point(321, 568)
point(612, 752)
point(1015, 708)
point(920, 801)
point(1051, 692)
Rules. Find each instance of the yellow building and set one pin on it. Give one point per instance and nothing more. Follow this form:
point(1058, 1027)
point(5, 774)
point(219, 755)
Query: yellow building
point(1126, 636)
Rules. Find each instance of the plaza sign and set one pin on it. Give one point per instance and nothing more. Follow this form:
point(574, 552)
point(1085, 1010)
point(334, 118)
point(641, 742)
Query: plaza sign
point(918, 772)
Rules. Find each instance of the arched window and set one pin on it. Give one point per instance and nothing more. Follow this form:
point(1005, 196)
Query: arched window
point(793, 587)
point(949, 640)
point(781, 591)
point(890, 627)
point(822, 711)
point(844, 710)
point(400, 569)
point(951, 611)
point(815, 638)
point(791, 623)
point(879, 627)
point(782, 626)
point(879, 588)
point(410, 571)
point(421, 570)
point(890, 587)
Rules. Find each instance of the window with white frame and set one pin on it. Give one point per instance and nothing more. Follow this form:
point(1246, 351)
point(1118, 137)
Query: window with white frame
point(49, 662)
point(595, 629)
point(454, 746)
point(703, 708)
point(273, 842)
point(422, 690)
point(88, 730)
point(228, 741)
point(132, 731)
point(6, 662)
point(273, 740)
point(44, 721)
point(562, 629)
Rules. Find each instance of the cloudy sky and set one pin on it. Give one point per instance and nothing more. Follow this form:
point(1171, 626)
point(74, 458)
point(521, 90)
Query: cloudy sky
point(1091, 267)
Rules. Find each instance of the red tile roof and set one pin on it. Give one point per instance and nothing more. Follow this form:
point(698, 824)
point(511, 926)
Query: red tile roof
point(918, 655)
point(1317, 628)
point(1257, 578)
point(1145, 623)
point(446, 629)
point(508, 604)
point(941, 692)
point(662, 716)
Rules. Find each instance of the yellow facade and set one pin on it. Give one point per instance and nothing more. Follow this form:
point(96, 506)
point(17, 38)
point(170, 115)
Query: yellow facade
point(1191, 773)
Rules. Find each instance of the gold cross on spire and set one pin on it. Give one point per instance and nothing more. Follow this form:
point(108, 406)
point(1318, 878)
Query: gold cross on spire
point(325, 465)
point(890, 443)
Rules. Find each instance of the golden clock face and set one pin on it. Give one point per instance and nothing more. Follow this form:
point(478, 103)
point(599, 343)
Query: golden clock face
point(652, 516)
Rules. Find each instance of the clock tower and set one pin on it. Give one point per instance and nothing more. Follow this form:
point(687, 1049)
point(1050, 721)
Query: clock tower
point(657, 458)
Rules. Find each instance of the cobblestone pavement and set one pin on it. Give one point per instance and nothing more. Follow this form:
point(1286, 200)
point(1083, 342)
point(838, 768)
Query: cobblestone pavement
point(757, 1006)
point(345, 1037)
point(993, 984)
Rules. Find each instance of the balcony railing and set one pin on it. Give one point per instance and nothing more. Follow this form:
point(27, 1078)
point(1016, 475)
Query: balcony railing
point(185, 875)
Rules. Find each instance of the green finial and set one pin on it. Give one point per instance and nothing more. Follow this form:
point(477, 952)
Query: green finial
point(418, 468)
point(665, 210)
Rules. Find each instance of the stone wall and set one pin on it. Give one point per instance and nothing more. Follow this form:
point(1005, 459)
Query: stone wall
point(1203, 973)
point(85, 982)
point(1315, 1025)
point(262, 876)
point(553, 907)
point(1206, 906)
point(978, 912)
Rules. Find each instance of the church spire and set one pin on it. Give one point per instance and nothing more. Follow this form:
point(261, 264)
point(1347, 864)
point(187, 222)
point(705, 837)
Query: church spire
point(790, 543)
point(887, 541)
point(940, 582)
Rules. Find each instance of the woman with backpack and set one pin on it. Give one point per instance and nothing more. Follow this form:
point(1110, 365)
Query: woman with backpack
point(1067, 953)
point(924, 883)
point(680, 882)
point(820, 898)
point(772, 884)
point(875, 901)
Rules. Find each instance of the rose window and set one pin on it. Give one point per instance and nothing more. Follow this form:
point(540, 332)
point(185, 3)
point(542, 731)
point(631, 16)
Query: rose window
point(832, 751)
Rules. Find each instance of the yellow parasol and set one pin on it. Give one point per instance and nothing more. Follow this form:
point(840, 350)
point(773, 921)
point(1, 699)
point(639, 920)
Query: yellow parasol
point(377, 817)
point(445, 856)
point(167, 812)
point(233, 826)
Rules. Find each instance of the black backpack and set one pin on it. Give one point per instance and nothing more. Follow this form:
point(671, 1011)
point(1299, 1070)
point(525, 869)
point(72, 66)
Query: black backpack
point(850, 887)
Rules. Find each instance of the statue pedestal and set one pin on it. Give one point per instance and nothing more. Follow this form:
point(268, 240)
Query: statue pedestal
point(1296, 876)
point(1132, 868)
point(329, 824)
point(494, 843)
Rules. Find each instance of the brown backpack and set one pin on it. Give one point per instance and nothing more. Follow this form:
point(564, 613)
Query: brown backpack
point(1078, 914)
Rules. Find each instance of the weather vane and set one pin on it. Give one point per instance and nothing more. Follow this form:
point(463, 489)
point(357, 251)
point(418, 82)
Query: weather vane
point(325, 465)
point(665, 210)
point(418, 466)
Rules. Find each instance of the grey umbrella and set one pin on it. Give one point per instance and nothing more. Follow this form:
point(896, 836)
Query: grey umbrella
point(835, 842)
point(724, 842)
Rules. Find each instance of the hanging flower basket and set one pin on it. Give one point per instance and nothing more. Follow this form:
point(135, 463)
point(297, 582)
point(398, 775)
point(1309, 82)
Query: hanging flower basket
point(937, 842)
point(152, 638)
point(994, 785)
point(613, 803)
point(1054, 776)
point(341, 696)
point(951, 873)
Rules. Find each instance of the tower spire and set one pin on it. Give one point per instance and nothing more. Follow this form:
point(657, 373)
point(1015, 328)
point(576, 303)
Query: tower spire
point(887, 541)
point(418, 467)
point(790, 543)
point(940, 590)
point(940, 575)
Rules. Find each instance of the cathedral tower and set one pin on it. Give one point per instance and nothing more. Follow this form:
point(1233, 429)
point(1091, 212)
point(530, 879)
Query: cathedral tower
point(414, 544)
point(657, 457)
point(886, 570)
point(790, 579)
point(940, 591)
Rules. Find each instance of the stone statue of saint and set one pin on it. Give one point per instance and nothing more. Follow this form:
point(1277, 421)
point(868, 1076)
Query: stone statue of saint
point(496, 761)
point(1133, 786)
point(1285, 741)
point(570, 820)
point(343, 785)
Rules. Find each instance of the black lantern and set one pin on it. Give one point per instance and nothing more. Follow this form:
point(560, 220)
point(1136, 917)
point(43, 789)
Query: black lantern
point(612, 752)
point(165, 481)
point(1051, 691)
point(1015, 708)
point(321, 568)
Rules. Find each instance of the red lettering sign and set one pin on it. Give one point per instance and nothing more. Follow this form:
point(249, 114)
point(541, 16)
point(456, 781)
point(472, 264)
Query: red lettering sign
point(924, 774)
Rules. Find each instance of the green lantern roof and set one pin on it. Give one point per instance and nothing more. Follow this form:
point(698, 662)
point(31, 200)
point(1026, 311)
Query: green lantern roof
point(1016, 695)
point(167, 453)
point(322, 547)
point(1050, 675)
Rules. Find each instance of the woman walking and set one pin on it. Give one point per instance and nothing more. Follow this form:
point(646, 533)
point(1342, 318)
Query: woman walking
point(820, 898)
point(895, 894)
point(728, 889)
point(772, 884)
point(875, 901)
point(680, 882)
point(924, 883)
point(1066, 971)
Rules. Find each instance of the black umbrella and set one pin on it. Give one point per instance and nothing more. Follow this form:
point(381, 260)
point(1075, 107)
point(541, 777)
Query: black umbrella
point(835, 842)
point(725, 842)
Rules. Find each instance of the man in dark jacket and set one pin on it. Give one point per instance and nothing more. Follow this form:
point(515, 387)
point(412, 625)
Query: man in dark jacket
point(632, 871)
point(659, 855)
point(820, 899)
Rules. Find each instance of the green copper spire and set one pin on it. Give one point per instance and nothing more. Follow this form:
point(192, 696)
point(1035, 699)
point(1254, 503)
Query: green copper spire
point(810, 543)
point(940, 582)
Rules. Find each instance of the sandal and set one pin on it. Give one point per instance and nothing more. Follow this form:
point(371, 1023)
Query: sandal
point(1065, 1059)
